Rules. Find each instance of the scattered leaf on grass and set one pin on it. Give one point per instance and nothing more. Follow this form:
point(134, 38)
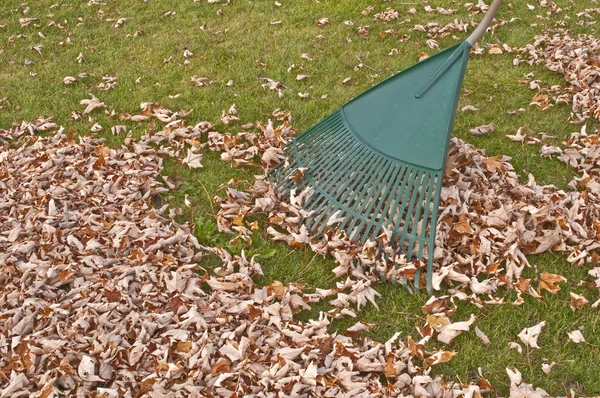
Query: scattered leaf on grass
point(530, 335)
point(481, 130)
point(482, 336)
point(577, 301)
point(576, 336)
point(549, 282)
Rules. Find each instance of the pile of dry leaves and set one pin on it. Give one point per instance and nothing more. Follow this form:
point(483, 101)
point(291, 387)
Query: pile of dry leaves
point(104, 292)
point(577, 59)
point(488, 221)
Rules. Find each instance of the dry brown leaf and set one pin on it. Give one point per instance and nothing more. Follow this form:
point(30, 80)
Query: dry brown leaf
point(577, 301)
point(549, 282)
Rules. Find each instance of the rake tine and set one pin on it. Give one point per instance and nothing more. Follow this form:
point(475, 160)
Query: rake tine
point(305, 152)
point(324, 182)
point(400, 179)
point(337, 159)
point(423, 231)
point(413, 197)
point(322, 218)
point(384, 196)
point(333, 168)
point(432, 225)
point(341, 192)
point(367, 206)
point(367, 199)
point(316, 131)
point(351, 191)
point(288, 182)
point(430, 188)
point(418, 271)
point(364, 192)
point(430, 248)
point(405, 195)
point(327, 134)
point(412, 225)
point(408, 220)
point(365, 167)
point(314, 205)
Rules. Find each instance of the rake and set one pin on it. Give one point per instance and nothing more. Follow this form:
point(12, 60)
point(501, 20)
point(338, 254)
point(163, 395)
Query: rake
point(379, 160)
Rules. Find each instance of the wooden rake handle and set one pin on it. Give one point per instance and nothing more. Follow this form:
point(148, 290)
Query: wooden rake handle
point(485, 22)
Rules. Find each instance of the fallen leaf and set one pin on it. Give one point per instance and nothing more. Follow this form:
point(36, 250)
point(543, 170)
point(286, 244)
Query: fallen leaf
point(481, 130)
point(550, 282)
point(547, 368)
point(482, 336)
point(449, 332)
point(576, 336)
point(577, 301)
point(193, 160)
point(440, 357)
point(530, 335)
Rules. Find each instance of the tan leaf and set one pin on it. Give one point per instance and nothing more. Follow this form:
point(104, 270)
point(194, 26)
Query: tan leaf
point(494, 164)
point(481, 130)
point(184, 346)
point(390, 369)
point(530, 335)
point(550, 282)
point(575, 336)
point(449, 332)
point(482, 336)
point(277, 289)
point(221, 366)
point(112, 295)
point(463, 226)
point(577, 301)
point(440, 357)
point(437, 321)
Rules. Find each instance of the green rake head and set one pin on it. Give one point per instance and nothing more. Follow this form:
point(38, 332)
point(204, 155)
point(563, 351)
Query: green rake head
point(379, 160)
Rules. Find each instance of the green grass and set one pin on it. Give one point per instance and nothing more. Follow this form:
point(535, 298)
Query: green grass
point(234, 46)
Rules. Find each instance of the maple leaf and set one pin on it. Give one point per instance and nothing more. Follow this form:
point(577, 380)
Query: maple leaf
point(390, 369)
point(494, 164)
point(120, 22)
point(192, 159)
point(355, 330)
point(547, 368)
point(577, 301)
point(469, 108)
point(519, 137)
point(450, 331)
point(550, 282)
point(440, 357)
point(530, 335)
point(515, 346)
point(518, 389)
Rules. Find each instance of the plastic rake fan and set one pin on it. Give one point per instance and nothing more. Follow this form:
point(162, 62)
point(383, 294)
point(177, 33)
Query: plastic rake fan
point(379, 160)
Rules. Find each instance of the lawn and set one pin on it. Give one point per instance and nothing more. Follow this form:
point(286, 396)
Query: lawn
point(132, 51)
